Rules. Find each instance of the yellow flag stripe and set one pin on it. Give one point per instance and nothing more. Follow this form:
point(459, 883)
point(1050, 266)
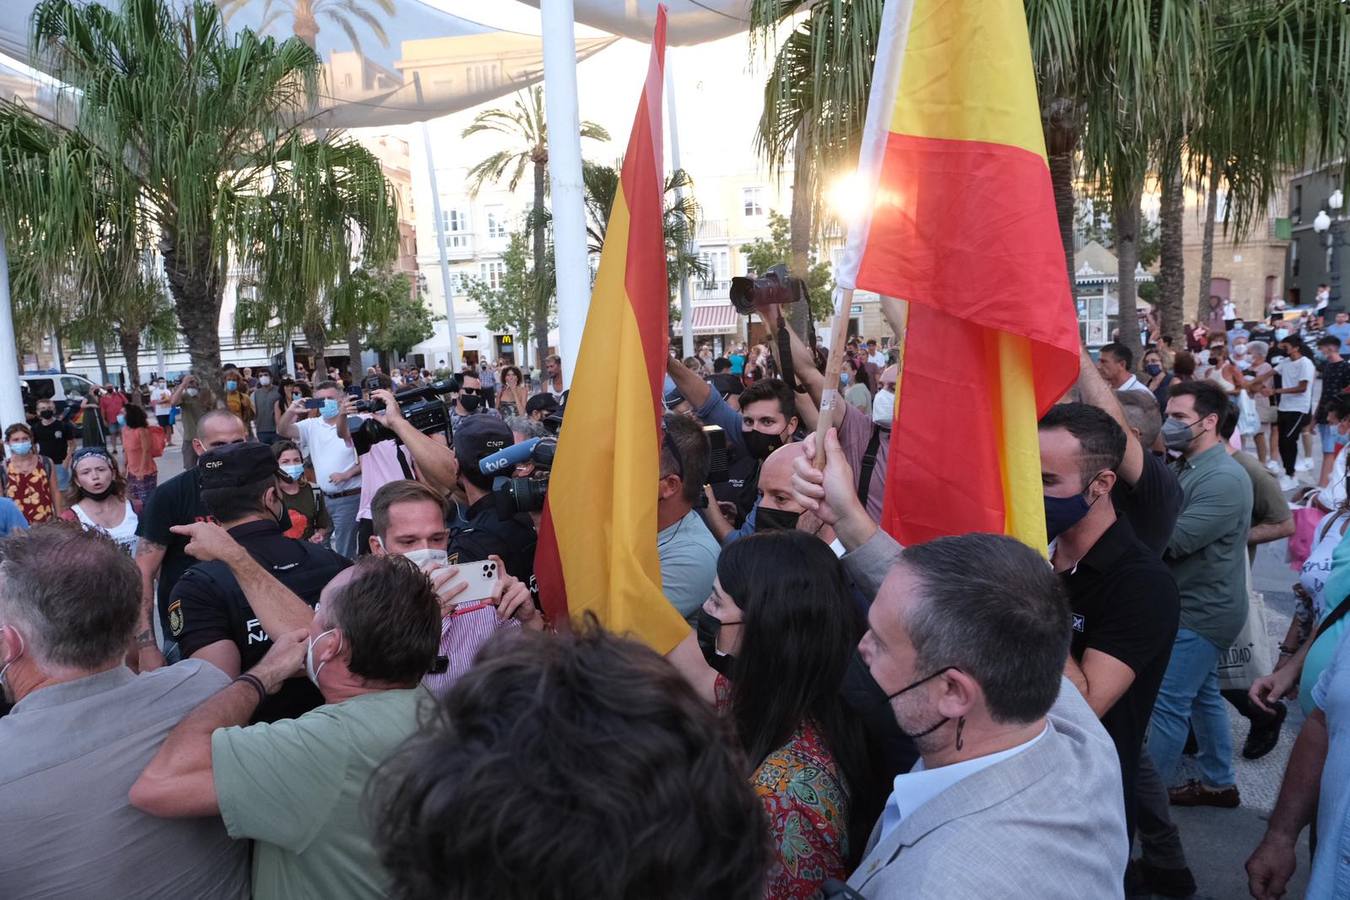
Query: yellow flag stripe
point(1019, 443)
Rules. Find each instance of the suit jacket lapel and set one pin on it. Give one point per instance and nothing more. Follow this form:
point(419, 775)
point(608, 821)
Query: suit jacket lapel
point(986, 788)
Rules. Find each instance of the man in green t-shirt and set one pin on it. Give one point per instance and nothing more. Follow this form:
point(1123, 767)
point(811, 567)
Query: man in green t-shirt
point(295, 786)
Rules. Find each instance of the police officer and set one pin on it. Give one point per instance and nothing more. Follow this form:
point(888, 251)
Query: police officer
point(209, 614)
point(478, 532)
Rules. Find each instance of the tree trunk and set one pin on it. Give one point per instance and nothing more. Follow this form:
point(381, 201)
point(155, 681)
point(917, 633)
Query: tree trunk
point(1171, 261)
point(101, 354)
point(318, 345)
point(1125, 224)
point(1207, 247)
point(130, 342)
point(197, 288)
point(1061, 123)
point(541, 295)
point(354, 368)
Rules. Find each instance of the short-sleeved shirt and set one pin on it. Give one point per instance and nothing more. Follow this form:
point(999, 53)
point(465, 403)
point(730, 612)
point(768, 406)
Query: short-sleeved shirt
point(329, 453)
point(737, 361)
point(1342, 333)
point(208, 605)
point(688, 553)
point(727, 384)
point(177, 501)
point(159, 398)
point(306, 511)
point(379, 466)
point(1125, 604)
point(1330, 875)
point(11, 518)
point(54, 440)
point(1292, 372)
point(1269, 506)
point(110, 405)
point(1151, 503)
point(1335, 379)
point(69, 754)
point(1207, 552)
point(296, 787)
point(264, 404)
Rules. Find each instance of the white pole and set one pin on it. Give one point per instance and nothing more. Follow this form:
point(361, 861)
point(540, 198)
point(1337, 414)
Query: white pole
point(564, 169)
point(11, 400)
point(453, 332)
point(290, 356)
point(686, 296)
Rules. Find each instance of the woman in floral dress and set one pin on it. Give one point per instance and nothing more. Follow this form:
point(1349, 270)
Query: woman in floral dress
point(780, 629)
point(29, 478)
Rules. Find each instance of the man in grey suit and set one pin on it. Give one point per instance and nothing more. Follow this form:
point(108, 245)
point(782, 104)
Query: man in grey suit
point(1017, 793)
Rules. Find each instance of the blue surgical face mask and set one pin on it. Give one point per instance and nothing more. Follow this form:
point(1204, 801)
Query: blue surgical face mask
point(295, 473)
point(1062, 513)
point(21, 448)
point(231, 385)
point(1281, 333)
point(329, 410)
point(121, 419)
point(1153, 369)
point(843, 378)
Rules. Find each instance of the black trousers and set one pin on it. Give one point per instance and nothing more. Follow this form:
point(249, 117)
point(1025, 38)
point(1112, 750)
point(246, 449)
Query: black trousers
point(1290, 425)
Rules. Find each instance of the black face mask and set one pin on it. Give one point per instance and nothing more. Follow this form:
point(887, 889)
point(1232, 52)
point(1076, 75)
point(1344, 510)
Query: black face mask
point(469, 402)
point(101, 495)
point(760, 445)
point(775, 519)
point(708, 628)
point(47, 414)
point(936, 725)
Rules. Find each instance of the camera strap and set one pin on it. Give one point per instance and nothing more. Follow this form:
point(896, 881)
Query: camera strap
point(785, 353)
point(403, 463)
point(869, 463)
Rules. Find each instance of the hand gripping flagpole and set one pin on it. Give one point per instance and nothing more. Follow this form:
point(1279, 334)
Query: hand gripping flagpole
point(829, 395)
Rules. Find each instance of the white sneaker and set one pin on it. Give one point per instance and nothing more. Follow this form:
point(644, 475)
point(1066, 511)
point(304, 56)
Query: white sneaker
point(1273, 466)
point(1288, 483)
point(1304, 465)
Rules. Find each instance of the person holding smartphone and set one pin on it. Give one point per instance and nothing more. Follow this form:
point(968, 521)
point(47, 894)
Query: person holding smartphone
point(194, 400)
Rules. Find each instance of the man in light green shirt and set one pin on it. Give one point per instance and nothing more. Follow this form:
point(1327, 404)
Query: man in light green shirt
point(295, 786)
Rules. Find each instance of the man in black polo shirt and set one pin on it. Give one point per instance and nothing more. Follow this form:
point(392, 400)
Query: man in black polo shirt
point(209, 615)
point(1124, 600)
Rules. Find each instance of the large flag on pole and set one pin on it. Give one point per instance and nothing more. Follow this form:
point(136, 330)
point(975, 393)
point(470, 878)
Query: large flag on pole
point(962, 225)
point(597, 542)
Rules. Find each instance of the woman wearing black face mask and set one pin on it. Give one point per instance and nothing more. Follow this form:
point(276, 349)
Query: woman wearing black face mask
point(780, 629)
point(97, 498)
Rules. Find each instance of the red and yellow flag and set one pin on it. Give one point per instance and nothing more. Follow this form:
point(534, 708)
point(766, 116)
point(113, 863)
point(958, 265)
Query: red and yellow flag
point(963, 226)
point(597, 542)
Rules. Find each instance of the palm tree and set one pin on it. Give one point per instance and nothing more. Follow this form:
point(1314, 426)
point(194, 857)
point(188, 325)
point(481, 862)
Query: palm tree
point(679, 218)
point(193, 125)
point(305, 16)
point(525, 125)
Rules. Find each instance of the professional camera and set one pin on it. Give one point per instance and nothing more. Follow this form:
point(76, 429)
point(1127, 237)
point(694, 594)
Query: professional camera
point(512, 496)
point(422, 407)
point(774, 287)
point(719, 464)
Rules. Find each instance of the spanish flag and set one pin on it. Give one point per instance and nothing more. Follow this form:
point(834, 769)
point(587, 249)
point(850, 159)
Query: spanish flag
point(597, 542)
point(962, 225)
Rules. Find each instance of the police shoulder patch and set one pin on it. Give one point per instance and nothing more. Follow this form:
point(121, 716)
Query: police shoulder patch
point(176, 618)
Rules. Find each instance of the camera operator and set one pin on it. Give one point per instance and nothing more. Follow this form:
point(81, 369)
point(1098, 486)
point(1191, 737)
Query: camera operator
point(687, 549)
point(434, 461)
point(541, 406)
point(384, 462)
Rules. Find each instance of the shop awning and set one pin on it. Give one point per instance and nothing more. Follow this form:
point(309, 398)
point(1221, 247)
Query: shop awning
point(719, 318)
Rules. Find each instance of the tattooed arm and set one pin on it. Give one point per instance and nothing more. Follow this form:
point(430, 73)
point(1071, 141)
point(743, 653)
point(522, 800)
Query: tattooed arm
point(149, 558)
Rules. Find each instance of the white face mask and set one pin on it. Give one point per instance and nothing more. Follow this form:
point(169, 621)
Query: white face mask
point(883, 408)
point(264, 380)
point(310, 671)
point(426, 555)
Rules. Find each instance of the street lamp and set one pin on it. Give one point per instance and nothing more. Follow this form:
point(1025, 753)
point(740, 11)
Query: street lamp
point(1331, 227)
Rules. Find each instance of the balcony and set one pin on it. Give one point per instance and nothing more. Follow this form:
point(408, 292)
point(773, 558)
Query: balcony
point(712, 230)
point(711, 289)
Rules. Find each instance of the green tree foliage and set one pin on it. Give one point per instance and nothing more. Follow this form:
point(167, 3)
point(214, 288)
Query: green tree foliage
point(513, 305)
point(406, 320)
point(762, 255)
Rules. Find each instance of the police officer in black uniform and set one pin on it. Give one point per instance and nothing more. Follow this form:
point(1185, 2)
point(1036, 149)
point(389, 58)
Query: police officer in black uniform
point(477, 532)
point(208, 614)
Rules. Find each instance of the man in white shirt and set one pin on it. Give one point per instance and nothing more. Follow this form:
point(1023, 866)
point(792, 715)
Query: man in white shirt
point(875, 356)
point(337, 469)
point(159, 399)
point(1115, 362)
point(1297, 375)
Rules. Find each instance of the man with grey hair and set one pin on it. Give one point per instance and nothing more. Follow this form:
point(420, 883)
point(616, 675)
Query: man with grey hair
point(1017, 776)
point(84, 726)
point(294, 787)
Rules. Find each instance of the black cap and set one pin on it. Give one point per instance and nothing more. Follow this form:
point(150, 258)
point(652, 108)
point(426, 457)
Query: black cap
point(545, 402)
point(480, 435)
point(235, 465)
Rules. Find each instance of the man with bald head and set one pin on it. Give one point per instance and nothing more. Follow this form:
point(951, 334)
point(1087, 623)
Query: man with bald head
point(178, 501)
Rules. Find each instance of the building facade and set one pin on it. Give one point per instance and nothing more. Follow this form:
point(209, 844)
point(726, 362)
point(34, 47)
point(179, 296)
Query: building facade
point(1317, 257)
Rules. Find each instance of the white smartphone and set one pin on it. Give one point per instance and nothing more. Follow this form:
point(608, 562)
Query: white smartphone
point(482, 579)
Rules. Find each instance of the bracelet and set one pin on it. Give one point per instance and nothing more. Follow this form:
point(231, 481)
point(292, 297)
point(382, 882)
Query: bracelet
point(254, 682)
point(1286, 651)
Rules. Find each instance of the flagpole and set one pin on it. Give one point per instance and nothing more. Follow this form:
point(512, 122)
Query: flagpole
point(686, 298)
point(829, 395)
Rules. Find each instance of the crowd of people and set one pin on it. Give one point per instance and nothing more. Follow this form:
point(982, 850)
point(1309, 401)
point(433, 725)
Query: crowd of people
point(314, 664)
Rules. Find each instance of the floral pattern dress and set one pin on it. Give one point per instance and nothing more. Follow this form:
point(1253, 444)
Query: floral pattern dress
point(803, 794)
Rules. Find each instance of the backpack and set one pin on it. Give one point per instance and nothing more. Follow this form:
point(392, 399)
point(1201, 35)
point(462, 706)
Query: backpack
point(157, 441)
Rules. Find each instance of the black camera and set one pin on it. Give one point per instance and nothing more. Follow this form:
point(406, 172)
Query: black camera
point(774, 287)
point(432, 391)
point(427, 416)
point(512, 496)
point(719, 463)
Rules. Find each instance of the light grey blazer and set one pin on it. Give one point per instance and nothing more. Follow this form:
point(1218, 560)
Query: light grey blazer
point(1046, 823)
